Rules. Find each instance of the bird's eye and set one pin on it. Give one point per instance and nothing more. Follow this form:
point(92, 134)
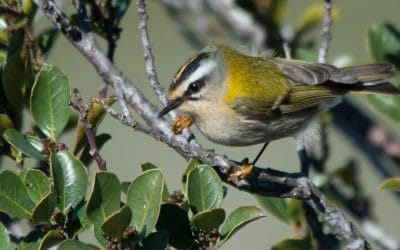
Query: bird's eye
point(194, 87)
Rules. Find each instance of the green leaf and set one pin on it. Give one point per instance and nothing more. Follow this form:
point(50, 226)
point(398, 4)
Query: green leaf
point(29, 246)
point(36, 182)
point(45, 208)
point(209, 219)
point(3, 29)
point(388, 105)
point(100, 140)
point(40, 191)
point(14, 199)
point(155, 241)
point(13, 73)
point(28, 7)
point(16, 154)
point(204, 189)
point(293, 244)
point(275, 206)
point(391, 183)
point(99, 236)
point(148, 166)
point(70, 179)
point(5, 123)
point(21, 142)
point(384, 42)
point(95, 116)
point(104, 198)
point(124, 186)
point(238, 219)
point(116, 224)
point(46, 39)
point(74, 244)
point(175, 221)
point(35, 142)
point(3, 56)
point(4, 237)
point(50, 101)
point(83, 219)
point(192, 164)
point(144, 199)
point(51, 239)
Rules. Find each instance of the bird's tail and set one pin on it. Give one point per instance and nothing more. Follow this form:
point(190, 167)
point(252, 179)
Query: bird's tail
point(372, 78)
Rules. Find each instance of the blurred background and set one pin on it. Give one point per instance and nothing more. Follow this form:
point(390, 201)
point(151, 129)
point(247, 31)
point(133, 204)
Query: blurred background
point(128, 149)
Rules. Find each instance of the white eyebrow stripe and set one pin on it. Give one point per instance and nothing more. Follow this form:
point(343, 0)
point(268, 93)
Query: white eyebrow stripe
point(200, 72)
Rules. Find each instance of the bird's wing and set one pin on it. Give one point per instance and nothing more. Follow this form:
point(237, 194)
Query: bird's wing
point(310, 84)
point(302, 89)
point(299, 97)
point(310, 73)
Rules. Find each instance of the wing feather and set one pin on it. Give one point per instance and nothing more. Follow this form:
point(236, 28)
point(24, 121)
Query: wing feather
point(310, 73)
point(299, 97)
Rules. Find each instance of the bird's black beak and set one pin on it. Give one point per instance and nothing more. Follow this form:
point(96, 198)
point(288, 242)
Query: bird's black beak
point(173, 104)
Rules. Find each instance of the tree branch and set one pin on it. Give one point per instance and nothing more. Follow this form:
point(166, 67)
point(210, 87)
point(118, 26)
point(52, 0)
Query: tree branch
point(326, 32)
point(262, 181)
point(83, 111)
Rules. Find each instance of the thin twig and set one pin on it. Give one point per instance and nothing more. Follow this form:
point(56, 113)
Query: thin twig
point(263, 181)
point(287, 50)
point(150, 66)
point(326, 32)
point(83, 111)
point(124, 120)
point(148, 55)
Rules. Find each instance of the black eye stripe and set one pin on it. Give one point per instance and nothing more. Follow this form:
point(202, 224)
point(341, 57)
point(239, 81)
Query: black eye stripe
point(186, 70)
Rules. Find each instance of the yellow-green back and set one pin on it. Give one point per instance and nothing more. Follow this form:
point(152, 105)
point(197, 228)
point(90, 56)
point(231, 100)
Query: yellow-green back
point(254, 78)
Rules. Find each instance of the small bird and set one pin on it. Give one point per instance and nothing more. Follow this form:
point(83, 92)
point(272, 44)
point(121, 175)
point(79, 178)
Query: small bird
point(238, 100)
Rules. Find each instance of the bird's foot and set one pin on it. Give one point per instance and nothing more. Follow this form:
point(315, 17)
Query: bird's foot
point(180, 123)
point(245, 170)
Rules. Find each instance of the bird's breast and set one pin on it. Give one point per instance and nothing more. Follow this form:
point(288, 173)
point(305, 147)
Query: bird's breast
point(223, 126)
